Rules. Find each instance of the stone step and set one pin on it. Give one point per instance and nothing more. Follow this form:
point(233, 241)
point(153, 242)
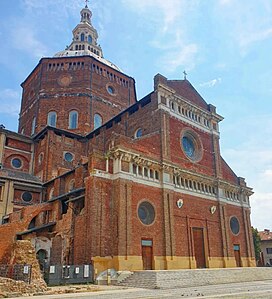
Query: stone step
point(190, 278)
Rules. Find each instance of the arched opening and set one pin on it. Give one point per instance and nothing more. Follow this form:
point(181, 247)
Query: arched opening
point(73, 119)
point(52, 119)
point(97, 121)
point(82, 37)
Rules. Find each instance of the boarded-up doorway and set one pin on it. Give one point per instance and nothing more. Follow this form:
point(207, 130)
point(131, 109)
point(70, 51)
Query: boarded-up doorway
point(199, 249)
point(147, 254)
point(237, 255)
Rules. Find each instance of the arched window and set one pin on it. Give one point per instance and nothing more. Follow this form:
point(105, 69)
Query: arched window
point(73, 119)
point(97, 121)
point(82, 37)
point(52, 119)
point(33, 126)
point(90, 39)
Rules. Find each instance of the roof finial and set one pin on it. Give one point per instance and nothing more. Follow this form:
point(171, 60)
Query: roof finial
point(185, 75)
point(86, 1)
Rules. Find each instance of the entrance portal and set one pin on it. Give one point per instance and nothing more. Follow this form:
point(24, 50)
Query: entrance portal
point(147, 254)
point(237, 255)
point(198, 238)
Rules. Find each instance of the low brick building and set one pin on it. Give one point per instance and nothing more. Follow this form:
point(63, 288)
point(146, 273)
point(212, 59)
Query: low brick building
point(95, 176)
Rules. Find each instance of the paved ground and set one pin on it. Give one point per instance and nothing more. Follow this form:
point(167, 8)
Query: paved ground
point(259, 289)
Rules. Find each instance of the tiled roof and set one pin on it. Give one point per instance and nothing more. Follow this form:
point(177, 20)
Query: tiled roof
point(186, 90)
point(19, 175)
point(266, 235)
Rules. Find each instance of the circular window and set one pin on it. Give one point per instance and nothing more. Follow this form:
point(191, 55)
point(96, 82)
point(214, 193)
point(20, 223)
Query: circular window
point(27, 196)
point(191, 146)
point(139, 133)
point(110, 90)
point(16, 163)
point(68, 157)
point(234, 225)
point(188, 146)
point(146, 213)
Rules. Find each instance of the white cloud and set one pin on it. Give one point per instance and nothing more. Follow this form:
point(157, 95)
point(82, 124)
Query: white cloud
point(261, 205)
point(183, 57)
point(171, 9)
point(24, 39)
point(225, 2)
point(167, 20)
point(211, 83)
point(246, 24)
point(10, 102)
point(246, 40)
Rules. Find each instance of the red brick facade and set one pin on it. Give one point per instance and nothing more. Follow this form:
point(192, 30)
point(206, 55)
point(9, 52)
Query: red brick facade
point(150, 176)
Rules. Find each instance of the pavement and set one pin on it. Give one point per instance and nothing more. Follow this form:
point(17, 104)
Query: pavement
point(256, 289)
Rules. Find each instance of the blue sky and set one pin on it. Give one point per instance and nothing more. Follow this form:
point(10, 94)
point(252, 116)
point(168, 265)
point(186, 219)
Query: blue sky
point(224, 45)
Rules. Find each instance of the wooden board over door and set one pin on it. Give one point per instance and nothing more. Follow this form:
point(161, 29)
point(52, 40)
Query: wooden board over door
point(147, 254)
point(199, 250)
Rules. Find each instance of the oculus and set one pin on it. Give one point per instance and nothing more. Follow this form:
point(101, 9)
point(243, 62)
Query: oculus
point(146, 213)
point(16, 163)
point(68, 157)
point(191, 145)
point(139, 133)
point(234, 225)
point(27, 196)
point(110, 90)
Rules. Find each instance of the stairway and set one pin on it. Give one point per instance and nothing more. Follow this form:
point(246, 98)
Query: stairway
point(141, 279)
point(169, 279)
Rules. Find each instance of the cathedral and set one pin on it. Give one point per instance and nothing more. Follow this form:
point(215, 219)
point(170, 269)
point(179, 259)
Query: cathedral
point(96, 176)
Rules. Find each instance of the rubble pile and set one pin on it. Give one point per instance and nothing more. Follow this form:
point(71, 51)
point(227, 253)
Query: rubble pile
point(24, 254)
point(10, 287)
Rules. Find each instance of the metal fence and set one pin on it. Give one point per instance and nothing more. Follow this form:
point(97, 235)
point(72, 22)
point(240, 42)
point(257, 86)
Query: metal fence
point(68, 274)
point(16, 272)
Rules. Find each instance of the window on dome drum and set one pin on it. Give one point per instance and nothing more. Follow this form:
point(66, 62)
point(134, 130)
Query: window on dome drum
point(73, 120)
point(97, 121)
point(82, 37)
point(139, 133)
point(234, 225)
point(27, 196)
point(68, 157)
point(16, 163)
point(33, 125)
point(90, 39)
point(146, 213)
point(52, 119)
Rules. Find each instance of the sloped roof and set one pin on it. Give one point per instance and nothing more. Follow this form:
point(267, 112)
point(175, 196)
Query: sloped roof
point(266, 235)
point(19, 175)
point(228, 174)
point(185, 89)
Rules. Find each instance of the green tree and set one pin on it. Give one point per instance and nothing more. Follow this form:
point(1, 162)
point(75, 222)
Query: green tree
point(257, 243)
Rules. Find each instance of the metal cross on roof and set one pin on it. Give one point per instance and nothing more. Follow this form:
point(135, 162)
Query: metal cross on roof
point(185, 75)
point(86, 1)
